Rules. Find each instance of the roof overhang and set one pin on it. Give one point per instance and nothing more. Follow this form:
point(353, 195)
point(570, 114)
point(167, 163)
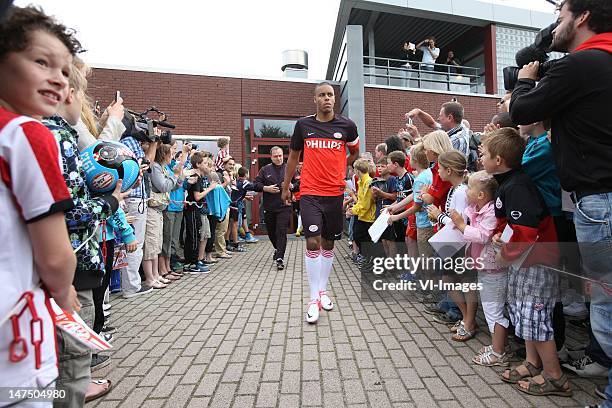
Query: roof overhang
point(452, 13)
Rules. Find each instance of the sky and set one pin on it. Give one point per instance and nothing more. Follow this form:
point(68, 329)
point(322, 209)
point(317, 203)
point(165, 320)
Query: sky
point(234, 38)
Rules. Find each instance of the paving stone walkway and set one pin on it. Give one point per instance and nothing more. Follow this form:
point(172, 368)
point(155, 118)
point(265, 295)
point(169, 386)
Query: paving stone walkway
point(237, 337)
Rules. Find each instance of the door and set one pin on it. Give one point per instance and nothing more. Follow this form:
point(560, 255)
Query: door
point(260, 153)
point(261, 135)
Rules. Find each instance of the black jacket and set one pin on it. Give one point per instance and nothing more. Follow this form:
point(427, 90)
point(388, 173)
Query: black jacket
point(269, 175)
point(576, 94)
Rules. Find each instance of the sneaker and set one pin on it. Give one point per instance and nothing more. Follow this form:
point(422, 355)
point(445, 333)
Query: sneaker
point(433, 309)
point(586, 367)
point(177, 266)
point(429, 298)
point(576, 353)
point(201, 265)
point(250, 239)
point(312, 313)
point(575, 309)
point(445, 319)
point(298, 232)
point(106, 313)
point(99, 361)
point(194, 269)
point(326, 302)
point(563, 355)
point(241, 240)
point(279, 264)
point(108, 329)
point(106, 306)
point(143, 289)
point(108, 337)
point(600, 391)
point(239, 248)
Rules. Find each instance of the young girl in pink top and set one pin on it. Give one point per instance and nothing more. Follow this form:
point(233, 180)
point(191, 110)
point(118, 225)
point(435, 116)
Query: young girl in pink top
point(481, 215)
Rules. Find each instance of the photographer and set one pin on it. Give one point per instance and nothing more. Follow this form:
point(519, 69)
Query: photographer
point(575, 94)
point(430, 53)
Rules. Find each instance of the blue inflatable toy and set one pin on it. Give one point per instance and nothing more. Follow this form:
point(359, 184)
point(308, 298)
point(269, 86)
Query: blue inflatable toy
point(106, 162)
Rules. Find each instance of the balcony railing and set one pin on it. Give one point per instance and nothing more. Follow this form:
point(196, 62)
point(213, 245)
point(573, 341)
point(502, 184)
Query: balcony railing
point(396, 72)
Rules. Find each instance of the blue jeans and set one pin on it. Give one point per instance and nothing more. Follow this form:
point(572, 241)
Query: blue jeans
point(593, 220)
point(450, 307)
point(350, 227)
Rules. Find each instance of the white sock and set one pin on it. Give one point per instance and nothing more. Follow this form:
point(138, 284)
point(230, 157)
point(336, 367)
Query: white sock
point(313, 269)
point(299, 221)
point(327, 260)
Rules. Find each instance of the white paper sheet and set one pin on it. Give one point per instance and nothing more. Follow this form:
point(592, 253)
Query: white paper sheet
point(447, 241)
point(505, 237)
point(379, 226)
point(507, 234)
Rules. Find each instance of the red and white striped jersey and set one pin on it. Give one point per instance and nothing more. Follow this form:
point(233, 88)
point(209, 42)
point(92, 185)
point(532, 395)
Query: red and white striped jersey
point(31, 187)
point(222, 154)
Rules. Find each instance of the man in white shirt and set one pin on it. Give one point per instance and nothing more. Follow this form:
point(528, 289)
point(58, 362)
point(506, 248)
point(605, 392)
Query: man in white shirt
point(430, 53)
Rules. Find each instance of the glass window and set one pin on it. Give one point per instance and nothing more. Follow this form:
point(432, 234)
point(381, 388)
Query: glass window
point(273, 128)
point(265, 149)
point(247, 134)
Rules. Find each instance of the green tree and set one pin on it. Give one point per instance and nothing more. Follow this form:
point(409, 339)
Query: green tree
point(272, 132)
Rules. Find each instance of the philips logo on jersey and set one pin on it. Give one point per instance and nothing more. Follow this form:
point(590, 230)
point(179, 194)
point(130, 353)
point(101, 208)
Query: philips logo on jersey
point(324, 144)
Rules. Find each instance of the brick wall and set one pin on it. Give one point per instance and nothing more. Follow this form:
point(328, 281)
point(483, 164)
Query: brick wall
point(203, 105)
point(214, 106)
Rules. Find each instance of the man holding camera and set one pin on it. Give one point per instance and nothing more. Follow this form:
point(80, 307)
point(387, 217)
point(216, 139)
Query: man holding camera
point(430, 53)
point(575, 93)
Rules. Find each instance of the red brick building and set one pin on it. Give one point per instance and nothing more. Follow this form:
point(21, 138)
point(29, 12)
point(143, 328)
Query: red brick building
point(218, 106)
point(241, 108)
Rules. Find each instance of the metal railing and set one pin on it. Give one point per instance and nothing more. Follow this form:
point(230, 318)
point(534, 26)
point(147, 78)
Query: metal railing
point(415, 74)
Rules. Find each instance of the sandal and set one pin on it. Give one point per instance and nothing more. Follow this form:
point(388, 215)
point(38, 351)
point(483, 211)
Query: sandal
point(456, 326)
point(101, 393)
point(171, 277)
point(550, 386)
point(491, 359)
point(463, 335)
point(489, 348)
point(514, 376)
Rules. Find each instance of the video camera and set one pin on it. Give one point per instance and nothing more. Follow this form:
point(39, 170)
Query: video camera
point(538, 51)
point(142, 128)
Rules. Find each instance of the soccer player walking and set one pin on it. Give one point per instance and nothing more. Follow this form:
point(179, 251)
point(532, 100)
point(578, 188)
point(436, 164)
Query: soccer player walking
point(323, 138)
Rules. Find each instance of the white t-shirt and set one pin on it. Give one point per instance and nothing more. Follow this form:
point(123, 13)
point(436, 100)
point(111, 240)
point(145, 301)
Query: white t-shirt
point(427, 57)
point(455, 200)
point(31, 187)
